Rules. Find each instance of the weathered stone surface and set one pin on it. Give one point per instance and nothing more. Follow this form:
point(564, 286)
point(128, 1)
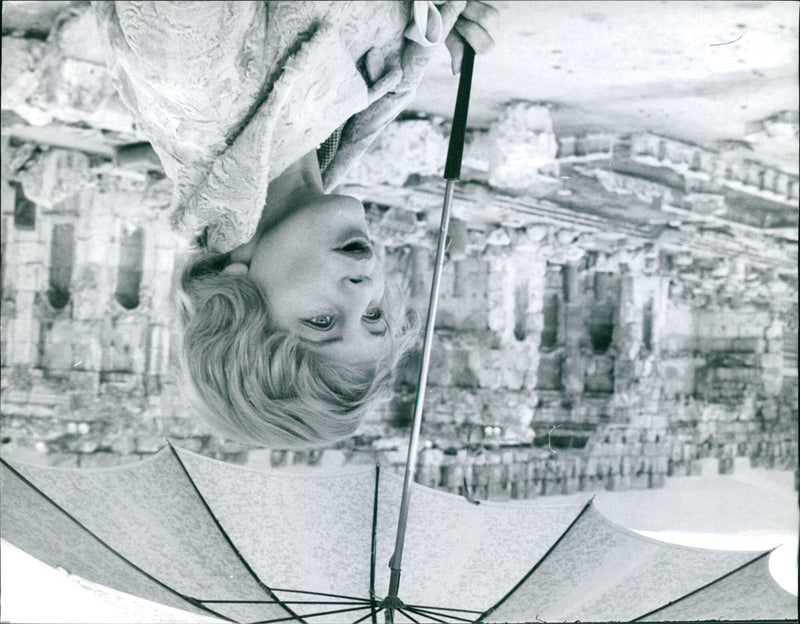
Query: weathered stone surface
point(521, 146)
point(79, 38)
point(22, 60)
point(56, 175)
point(33, 16)
point(414, 146)
point(62, 79)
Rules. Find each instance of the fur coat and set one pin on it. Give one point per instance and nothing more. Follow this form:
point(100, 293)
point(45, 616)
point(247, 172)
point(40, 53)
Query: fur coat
point(231, 93)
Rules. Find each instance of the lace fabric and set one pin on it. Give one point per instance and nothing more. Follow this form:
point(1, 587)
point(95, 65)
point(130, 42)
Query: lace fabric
point(230, 94)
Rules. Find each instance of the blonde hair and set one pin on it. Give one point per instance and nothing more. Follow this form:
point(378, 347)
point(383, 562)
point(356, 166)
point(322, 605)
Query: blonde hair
point(259, 384)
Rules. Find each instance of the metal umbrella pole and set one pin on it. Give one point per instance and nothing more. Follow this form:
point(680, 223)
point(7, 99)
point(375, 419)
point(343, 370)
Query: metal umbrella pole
point(452, 172)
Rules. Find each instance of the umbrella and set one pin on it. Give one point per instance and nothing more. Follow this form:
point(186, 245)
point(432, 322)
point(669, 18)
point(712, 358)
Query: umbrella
point(267, 546)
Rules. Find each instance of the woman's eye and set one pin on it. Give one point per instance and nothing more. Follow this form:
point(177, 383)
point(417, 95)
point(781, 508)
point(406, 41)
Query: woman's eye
point(373, 315)
point(321, 321)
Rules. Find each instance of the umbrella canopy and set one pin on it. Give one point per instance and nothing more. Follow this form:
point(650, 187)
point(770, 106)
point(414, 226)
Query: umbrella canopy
point(254, 546)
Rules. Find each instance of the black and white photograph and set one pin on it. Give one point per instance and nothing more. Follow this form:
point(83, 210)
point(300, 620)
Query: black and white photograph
point(412, 312)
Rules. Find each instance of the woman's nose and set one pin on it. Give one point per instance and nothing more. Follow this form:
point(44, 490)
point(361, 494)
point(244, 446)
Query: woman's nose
point(360, 271)
point(360, 286)
point(366, 285)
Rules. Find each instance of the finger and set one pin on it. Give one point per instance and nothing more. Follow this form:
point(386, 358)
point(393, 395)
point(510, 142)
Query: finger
point(375, 64)
point(388, 82)
point(455, 44)
point(480, 40)
point(481, 13)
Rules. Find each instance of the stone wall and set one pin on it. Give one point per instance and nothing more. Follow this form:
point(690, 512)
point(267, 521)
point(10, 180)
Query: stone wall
point(608, 340)
point(600, 359)
point(605, 359)
point(612, 308)
point(88, 334)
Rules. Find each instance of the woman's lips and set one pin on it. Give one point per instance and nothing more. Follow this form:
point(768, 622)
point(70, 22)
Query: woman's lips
point(356, 246)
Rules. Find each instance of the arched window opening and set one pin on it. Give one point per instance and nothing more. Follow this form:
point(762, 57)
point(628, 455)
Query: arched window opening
point(550, 325)
point(62, 257)
point(401, 412)
point(520, 310)
point(647, 326)
point(601, 327)
point(24, 209)
point(601, 321)
point(129, 270)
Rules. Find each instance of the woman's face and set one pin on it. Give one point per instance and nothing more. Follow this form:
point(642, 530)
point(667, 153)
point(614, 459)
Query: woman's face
point(323, 280)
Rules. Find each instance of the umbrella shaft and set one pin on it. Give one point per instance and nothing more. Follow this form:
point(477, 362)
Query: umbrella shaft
point(411, 461)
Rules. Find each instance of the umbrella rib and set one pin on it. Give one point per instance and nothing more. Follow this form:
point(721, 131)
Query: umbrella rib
point(192, 601)
point(310, 615)
point(444, 609)
point(314, 593)
point(371, 614)
point(303, 602)
point(538, 563)
point(430, 612)
point(373, 545)
point(227, 538)
point(427, 615)
point(408, 615)
point(706, 586)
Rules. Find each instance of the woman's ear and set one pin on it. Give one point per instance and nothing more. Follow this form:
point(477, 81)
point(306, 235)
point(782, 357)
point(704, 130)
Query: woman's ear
point(235, 268)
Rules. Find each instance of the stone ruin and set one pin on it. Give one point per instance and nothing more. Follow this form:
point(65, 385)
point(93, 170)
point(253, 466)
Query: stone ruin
point(613, 308)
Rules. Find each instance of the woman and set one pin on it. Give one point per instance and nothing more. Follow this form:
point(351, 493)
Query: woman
point(288, 340)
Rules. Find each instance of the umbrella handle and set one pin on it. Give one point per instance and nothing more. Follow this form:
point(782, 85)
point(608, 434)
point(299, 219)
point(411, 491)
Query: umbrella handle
point(452, 173)
point(455, 150)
